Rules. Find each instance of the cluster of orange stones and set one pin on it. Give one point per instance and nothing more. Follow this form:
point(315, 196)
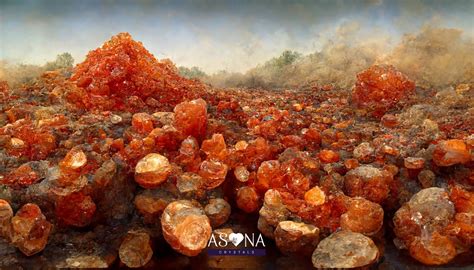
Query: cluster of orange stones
point(127, 145)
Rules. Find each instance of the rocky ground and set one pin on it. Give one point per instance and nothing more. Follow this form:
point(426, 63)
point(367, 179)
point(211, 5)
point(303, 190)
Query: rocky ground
point(121, 162)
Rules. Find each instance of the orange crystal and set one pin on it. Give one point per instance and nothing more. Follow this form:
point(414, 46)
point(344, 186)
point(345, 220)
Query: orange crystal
point(269, 175)
point(30, 229)
point(451, 152)
point(190, 118)
point(248, 199)
point(379, 88)
point(75, 209)
point(214, 173)
point(328, 156)
point(142, 123)
point(152, 170)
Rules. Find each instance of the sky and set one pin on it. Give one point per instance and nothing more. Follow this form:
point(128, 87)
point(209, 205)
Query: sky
point(232, 35)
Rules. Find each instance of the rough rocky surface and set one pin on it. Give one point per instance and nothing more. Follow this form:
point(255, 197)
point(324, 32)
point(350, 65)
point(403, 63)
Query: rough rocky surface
point(123, 144)
point(345, 249)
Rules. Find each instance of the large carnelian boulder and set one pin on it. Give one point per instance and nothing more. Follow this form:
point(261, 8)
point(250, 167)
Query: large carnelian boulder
point(380, 88)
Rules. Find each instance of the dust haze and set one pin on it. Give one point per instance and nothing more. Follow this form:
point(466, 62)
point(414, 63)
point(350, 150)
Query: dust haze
point(284, 44)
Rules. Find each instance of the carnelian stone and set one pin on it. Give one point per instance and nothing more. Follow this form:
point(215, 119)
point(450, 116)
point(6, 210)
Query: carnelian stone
point(214, 173)
point(75, 209)
point(269, 175)
point(328, 156)
point(22, 176)
point(152, 170)
point(142, 122)
point(451, 152)
point(191, 118)
point(215, 148)
point(379, 88)
point(247, 199)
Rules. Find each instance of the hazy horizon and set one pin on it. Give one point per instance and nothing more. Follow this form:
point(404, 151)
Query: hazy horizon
point(215, 35)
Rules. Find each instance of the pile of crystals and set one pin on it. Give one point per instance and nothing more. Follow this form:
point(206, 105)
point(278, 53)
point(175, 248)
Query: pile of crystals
point(125, 158)
point(379, 88)
point(123, 75)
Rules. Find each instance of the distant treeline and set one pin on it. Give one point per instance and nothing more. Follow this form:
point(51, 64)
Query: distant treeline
point(433, 57)
point(16, 74)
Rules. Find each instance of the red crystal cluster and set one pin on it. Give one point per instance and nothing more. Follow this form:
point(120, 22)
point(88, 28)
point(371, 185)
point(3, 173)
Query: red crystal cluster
point(379, 88)
point(123, 75)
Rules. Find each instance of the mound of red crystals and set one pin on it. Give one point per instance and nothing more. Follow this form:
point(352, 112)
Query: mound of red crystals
point(123, 75)
point(379, 88)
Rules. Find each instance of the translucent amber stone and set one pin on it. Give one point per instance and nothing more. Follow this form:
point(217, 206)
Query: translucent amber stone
point(150, 205)
point(75, 159)
point(389, 120)
point(351, 163)
point(345, 249)
point(241, 145)
point(311, 136)
point(368, 182)
point(269, 175)
point(22, 176)
point(142, 123)
point(379, 88)
point(451, 152)
point(190, 118)
point(248, 199)
point(315, 196)
point(328, 156)
point(418, 224)
point(296, 182)
point(426, 178)
point(213, 172)
point(190, 184)
point(16, 147)
point(215, 148)
point(462, 229)
point(188, 151)
point(6, 213)
point(414, 163)
point(186, 228)
point(362, 216)
point(241, 174)
point(30, 229)
point(152, 170)
point(433, 250)
point(274, 210)
point(462, 198)
point(75, 209)
point(135, 250)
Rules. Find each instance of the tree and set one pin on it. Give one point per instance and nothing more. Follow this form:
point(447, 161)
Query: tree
point(64, 60)
point(192, 73)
